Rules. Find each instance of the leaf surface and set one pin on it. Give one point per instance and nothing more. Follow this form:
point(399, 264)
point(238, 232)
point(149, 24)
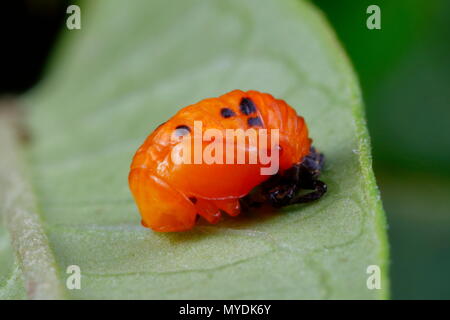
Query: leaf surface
point(131, 67)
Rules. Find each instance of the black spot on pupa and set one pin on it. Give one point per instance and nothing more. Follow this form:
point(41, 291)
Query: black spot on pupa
point(247, 106)
point(193, 200)
point(182, 130)
point(227, 113)
point(255, 121)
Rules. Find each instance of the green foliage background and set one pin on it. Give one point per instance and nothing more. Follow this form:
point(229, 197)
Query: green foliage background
point(404, 70)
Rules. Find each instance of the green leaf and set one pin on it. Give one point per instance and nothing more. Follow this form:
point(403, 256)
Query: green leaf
point(20, 226)
point(132, 66)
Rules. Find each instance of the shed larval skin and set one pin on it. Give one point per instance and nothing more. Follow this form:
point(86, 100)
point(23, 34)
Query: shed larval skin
point(169, 195)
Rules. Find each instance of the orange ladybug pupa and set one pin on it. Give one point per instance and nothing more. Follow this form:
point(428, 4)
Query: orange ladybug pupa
point(170, 193)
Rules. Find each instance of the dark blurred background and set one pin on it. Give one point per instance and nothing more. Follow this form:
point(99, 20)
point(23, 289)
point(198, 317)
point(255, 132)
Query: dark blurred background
point(28, 30)
point(404, 71)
